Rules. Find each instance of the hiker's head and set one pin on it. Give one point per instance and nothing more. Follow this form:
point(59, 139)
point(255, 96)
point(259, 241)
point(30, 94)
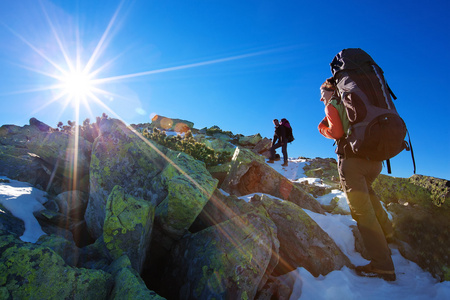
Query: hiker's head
point(275, 122)
point(327, 90)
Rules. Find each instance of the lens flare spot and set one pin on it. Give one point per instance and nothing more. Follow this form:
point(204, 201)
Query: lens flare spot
point(166, 123)
point(181, 128)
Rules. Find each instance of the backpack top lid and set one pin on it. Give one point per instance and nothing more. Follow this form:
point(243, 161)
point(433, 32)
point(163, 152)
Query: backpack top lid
point(285, 123)
point(350, 58)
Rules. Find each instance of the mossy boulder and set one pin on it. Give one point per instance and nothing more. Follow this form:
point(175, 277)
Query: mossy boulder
point(189, 187)
point(177, 184)
point(127, 282)
point(250, 140)
point(324, 168)
point(418, 220)
point(439, 189)
point(29, 271)
point(231, 260)
point(16, 163)
point(128, 227)
point(217, 144)
point(44, 152)
point(314, 249)
point(122, 157)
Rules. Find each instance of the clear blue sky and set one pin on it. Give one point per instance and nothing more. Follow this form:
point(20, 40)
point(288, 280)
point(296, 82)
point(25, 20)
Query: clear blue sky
point(235, 64)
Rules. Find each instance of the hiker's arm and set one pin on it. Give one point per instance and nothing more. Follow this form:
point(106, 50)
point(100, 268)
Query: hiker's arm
point(331, 125)
point(275, 139)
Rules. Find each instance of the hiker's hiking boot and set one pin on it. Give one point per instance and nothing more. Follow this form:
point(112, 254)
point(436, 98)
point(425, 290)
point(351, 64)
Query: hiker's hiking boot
point(270, 161)
point(285, 164)
point(370, 271)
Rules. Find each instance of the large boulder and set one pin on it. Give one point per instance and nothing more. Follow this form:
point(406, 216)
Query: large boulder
point(10, 223)
point(231, 260)
point(121, 157)
point(175, 182)
point(127, 282)
point(36, 272)
point(217, 144)
point(420, 219)
point(128, 227)
point(72, 203)
point(250, 140)
point(250, 174)
point(56, 156)
point(189, 187)
point(314, 249)
point(15, 160)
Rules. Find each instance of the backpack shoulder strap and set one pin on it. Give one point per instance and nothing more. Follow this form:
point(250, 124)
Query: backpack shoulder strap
point(337, 103)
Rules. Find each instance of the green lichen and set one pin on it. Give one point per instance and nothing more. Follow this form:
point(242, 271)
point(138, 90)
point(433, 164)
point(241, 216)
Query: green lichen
point(124, 215)
point(446, 273)
point(26, 271)
point(128, 283)
point(393, 190)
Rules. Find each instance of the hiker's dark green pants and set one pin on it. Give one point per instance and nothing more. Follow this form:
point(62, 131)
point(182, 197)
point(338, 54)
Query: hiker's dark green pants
point(357, 176)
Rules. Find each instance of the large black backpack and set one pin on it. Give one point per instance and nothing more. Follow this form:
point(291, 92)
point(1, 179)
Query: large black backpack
point(289, 134)
point(377, 132)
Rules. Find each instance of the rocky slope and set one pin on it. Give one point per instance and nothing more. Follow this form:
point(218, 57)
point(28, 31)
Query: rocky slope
point(127, 217)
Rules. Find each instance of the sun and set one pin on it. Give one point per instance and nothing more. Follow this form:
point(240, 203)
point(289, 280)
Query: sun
point(77, 84)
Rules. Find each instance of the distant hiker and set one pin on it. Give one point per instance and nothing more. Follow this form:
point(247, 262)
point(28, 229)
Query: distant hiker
point(279, 140)
point(357, 175)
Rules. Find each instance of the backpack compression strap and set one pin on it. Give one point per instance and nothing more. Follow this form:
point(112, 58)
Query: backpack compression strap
point(408, 148)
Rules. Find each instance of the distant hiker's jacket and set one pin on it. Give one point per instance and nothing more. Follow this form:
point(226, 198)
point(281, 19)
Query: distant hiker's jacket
point(280, 134)
point(335, 125)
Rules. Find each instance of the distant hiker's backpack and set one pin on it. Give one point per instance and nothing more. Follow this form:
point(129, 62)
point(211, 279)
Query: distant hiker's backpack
point(377, 132)
point(289, 134)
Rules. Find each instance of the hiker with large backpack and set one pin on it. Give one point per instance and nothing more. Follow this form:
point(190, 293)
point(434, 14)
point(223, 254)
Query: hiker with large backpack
point(362, 119)
point(281, 138)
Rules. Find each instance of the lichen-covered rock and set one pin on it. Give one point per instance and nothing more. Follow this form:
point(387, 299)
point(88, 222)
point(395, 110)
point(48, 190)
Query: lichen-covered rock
point(176, 183)
point(324, 168)
point(226, 261)
point(40, 125)
point(189, 187)
point(62, 151)
point(16, 163)
point(127, 282)
point(121, 157)
point(46, 154)
point(217, 143)
point(439, 188)
point(128, 227)
point(30, 271)
point(220, 208)
point(419, 222)
point(67, 250)
point(314, 249)
point(9, 223)
point(263, 147)
point(250, 140)
point(250, 174)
